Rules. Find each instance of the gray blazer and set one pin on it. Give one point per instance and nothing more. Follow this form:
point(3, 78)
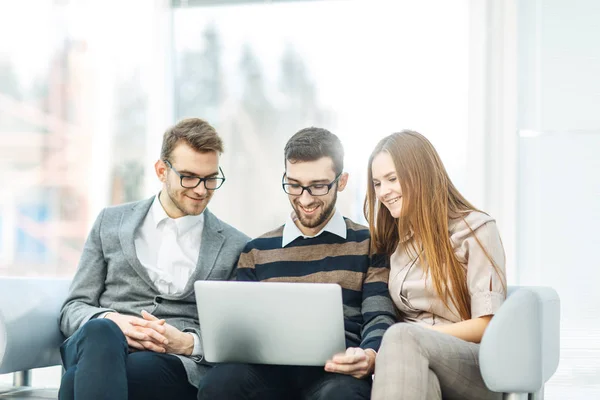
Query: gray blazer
point(111, 278)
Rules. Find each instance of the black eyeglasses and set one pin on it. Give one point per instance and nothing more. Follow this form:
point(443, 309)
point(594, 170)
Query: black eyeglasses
point(318, 189)
point(190, 182)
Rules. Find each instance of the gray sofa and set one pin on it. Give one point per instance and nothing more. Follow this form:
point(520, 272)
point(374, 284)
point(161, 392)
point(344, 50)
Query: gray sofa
point(519, 351)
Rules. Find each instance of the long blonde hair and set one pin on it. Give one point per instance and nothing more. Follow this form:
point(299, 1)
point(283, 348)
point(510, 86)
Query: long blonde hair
point(429, 201)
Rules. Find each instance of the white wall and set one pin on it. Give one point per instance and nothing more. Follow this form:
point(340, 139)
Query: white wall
point(559, 176)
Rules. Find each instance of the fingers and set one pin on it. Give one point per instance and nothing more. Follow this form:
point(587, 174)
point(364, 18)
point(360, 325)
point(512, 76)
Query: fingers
point(351, 356)
point(353, 362)
point(344, 359)
point(156, 337)
point(145, 345)
point(158, 326)
point(138, 321)
point(138, 333)
point(134, 344)
point(154, 325)
point(124, 321)
point(149, 345)
point(358, 370)
point(149, 317)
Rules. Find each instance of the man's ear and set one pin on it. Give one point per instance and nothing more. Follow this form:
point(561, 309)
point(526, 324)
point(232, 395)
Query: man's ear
point(342, 182)
point(161, 170)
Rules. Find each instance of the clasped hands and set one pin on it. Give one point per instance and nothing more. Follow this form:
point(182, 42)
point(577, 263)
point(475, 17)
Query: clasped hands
point(153, 334)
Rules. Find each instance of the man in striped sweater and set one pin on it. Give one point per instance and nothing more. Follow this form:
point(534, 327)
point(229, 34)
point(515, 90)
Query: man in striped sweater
point(316, 244)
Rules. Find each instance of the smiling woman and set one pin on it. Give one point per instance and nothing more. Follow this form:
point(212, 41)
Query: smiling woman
point(386, 184)
point(446, 273)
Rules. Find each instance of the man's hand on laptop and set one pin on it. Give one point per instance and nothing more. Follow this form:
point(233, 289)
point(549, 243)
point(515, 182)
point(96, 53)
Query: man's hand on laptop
point(355, 361)
point(141, 334)
point(177, 342)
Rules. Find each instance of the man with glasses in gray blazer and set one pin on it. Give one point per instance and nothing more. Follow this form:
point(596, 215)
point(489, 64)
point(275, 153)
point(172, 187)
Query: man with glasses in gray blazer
point(130, 317)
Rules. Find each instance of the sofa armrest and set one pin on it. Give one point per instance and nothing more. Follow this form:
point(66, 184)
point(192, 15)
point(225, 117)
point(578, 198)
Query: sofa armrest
point(29, 333)
point(521, 346)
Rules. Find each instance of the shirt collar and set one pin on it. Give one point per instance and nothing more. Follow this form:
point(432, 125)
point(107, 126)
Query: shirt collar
point(336, 225)
point(183, 224)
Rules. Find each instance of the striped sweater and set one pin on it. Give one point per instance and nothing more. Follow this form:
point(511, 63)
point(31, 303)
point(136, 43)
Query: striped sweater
point(328, 258)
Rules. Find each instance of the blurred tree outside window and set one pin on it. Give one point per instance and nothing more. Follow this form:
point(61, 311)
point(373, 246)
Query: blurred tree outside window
point(73, 125)
point(362, 69)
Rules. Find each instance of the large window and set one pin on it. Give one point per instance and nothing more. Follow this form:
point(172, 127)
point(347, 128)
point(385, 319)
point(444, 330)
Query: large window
point(83, 107)
point(363, 69)
point(80, 91)
point(73, 124)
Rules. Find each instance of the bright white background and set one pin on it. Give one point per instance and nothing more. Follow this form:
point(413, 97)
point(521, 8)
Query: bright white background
point(507, 91)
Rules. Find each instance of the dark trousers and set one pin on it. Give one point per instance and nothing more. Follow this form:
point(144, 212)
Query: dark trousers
point(99, 366)
point(276, 382)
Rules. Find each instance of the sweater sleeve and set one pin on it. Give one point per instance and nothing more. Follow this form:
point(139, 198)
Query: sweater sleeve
point(246, 269)
point(377, 307)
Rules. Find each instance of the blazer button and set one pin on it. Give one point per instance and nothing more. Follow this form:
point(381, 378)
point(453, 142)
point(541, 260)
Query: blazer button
point(158, 300)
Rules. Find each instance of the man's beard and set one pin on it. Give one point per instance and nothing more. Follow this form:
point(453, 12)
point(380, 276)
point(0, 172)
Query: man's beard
point(181, 207)
point(321, 218)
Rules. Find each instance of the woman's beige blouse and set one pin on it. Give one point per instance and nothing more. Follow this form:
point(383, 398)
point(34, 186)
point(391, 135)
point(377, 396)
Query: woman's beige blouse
point(413, 293)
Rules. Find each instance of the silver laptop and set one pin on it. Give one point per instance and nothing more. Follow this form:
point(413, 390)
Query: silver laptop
point(270, 322)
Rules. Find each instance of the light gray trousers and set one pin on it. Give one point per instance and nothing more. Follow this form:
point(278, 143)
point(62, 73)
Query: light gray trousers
point(416, 363)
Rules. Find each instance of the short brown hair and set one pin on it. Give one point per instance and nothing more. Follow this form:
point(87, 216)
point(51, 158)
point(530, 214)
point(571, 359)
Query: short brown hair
point(196, 133)
point(310, 144)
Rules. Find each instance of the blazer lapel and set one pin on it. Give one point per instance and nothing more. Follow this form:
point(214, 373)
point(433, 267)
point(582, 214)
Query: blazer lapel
point(210, 246)
point(130, 222)
point(212, 241)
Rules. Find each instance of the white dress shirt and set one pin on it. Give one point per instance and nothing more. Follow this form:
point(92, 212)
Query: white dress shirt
point(168, 248)
point(336, 225)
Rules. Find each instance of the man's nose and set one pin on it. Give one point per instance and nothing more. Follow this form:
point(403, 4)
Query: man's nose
point(200, 190)
point(306, 197)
